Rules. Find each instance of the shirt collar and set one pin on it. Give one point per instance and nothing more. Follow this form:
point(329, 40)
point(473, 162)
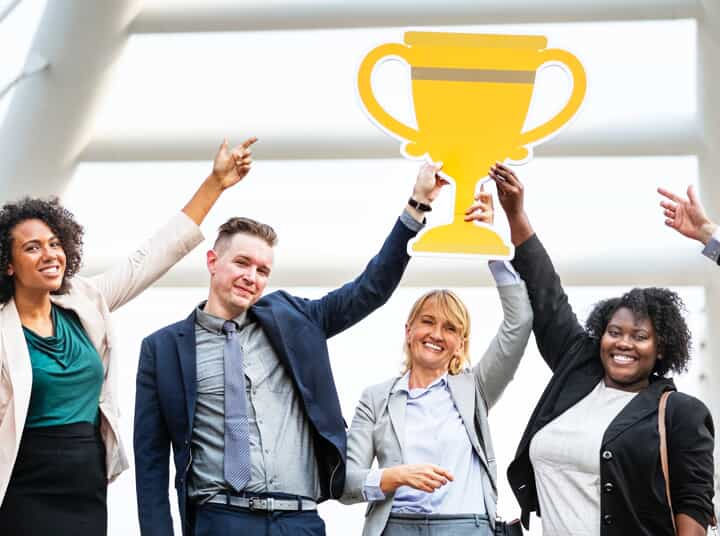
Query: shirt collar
point(403, 384)
point(214, 324)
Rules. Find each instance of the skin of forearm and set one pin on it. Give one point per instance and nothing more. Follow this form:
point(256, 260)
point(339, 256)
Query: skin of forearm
point(390, 480)
point(520, 228)
point(203, 199)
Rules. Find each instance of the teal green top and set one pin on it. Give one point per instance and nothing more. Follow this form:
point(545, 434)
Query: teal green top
point(67, 374)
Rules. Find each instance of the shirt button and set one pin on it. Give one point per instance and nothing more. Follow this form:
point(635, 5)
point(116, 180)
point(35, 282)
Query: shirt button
point(608, 519)
point(608, 487)
point(607, 455)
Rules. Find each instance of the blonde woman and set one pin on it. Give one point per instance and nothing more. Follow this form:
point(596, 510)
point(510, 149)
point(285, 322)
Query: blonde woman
point(428, 428)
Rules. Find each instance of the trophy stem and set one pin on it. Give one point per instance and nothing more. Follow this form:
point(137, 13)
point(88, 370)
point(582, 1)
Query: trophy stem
point(461, 237)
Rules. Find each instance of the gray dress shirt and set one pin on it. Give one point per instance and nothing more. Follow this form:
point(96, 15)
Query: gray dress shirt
point(282, 453)
point(712, 249)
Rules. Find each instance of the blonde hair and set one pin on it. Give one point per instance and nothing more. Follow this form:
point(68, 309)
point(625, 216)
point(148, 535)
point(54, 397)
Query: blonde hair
point(452, 307)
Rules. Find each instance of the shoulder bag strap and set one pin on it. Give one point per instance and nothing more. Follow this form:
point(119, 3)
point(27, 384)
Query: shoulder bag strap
point(664, 454)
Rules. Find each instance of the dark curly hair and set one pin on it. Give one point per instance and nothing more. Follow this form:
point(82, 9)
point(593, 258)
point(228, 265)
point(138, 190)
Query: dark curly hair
point(61, 222)
point(664, 309)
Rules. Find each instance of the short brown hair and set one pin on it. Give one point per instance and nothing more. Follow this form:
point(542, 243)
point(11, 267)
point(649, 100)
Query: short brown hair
point(245, 226)
point(453, 308)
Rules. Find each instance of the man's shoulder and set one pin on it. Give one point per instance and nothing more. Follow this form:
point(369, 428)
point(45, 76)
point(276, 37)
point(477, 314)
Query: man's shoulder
point(170, 330)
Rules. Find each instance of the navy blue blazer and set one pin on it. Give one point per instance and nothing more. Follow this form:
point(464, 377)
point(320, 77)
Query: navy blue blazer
point(298, 330)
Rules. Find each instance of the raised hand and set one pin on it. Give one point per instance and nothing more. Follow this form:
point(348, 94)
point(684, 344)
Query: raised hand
point(231, 166)
point(687, 216)
point(483, 209)
point(511, 195)
point(428, 183)
point(421, 476)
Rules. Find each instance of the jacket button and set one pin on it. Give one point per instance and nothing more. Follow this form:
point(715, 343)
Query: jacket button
point(607, 455)
point(608, 519)
point(608, 487)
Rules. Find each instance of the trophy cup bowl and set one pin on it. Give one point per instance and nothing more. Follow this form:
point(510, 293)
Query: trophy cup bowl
point(471, 94)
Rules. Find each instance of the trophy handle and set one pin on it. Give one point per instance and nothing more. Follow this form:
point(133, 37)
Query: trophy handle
point(578, 94)
point(367, 96)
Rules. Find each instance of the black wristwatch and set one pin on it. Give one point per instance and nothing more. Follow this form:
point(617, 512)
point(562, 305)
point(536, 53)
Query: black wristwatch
point(422, 207)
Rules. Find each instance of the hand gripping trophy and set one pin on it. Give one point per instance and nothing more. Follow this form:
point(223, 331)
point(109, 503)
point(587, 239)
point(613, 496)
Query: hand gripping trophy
point(471, 95)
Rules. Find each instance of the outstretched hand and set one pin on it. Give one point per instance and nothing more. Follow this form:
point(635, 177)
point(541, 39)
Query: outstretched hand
point(511, 193)
point(428, 183)
point(686, 216)
point(231, 166)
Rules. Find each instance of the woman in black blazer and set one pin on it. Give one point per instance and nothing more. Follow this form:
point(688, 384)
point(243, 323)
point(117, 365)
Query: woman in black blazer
point(589, 457)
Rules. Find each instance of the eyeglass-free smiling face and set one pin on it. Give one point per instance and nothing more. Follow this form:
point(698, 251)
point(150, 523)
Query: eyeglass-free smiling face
point(628, 351)
point(38, 260)
point(433, 339)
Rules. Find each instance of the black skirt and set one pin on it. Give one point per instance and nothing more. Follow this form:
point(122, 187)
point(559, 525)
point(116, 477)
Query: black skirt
point(58, 485)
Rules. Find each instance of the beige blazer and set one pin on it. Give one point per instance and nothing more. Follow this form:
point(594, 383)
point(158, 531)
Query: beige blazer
point(92, 299)
point(378, 427)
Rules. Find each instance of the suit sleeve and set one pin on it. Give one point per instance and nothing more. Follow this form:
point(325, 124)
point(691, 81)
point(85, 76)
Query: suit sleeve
point(360, 450)
point(691, 440)
point(352, 302)
point(501, 359)
point(555, 325)
point(151, 444)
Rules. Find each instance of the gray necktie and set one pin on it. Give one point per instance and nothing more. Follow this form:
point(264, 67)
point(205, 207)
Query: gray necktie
point(237, 447)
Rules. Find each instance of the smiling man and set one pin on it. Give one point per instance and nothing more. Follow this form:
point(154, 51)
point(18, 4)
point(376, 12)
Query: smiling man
point(243, 391)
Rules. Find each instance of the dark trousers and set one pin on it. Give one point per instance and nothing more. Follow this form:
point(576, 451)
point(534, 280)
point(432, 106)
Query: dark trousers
point(221, 520)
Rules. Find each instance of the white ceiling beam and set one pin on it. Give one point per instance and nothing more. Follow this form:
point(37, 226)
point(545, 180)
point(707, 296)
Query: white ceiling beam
point(50, 117)
point(674, 266)
point(647, 140)
point(233, 16)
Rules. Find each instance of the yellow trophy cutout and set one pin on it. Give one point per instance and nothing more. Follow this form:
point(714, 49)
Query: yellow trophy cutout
point(471, 95)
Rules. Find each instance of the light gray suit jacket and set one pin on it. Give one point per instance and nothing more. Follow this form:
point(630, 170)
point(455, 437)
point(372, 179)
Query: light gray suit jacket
point(378, 427)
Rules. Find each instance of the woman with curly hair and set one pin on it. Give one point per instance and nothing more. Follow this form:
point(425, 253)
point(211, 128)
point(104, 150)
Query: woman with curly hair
point(589, 462)
point(59, 442)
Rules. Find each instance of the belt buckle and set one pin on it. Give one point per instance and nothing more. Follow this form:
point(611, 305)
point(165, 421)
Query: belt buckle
point(254, 503)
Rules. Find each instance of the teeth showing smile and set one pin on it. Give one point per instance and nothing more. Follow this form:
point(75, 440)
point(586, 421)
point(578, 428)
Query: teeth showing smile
point(623, 359)
point(50, 270)
point(433, 347)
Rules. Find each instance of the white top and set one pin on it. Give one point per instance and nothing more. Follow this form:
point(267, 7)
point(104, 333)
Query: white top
point(565, 456)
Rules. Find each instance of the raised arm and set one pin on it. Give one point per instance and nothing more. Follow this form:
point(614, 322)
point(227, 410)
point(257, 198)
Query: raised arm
point(555, 325)
point(179, 236)
point(500, 361)
point(343, 307)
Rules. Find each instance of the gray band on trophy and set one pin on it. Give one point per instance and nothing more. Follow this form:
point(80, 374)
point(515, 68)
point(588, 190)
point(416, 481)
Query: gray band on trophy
point(473, 75)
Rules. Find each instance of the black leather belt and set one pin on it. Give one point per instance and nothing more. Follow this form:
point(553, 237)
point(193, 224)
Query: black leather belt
point(264, 504)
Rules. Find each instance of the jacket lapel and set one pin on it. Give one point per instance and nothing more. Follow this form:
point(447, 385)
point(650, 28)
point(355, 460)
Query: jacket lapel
point(185, 340)
point(644, 404)
point(462, 389)
point(17, 360)
point(397, 403)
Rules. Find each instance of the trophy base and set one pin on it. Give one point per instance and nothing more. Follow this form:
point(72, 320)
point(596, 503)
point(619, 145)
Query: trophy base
point(462, 238)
